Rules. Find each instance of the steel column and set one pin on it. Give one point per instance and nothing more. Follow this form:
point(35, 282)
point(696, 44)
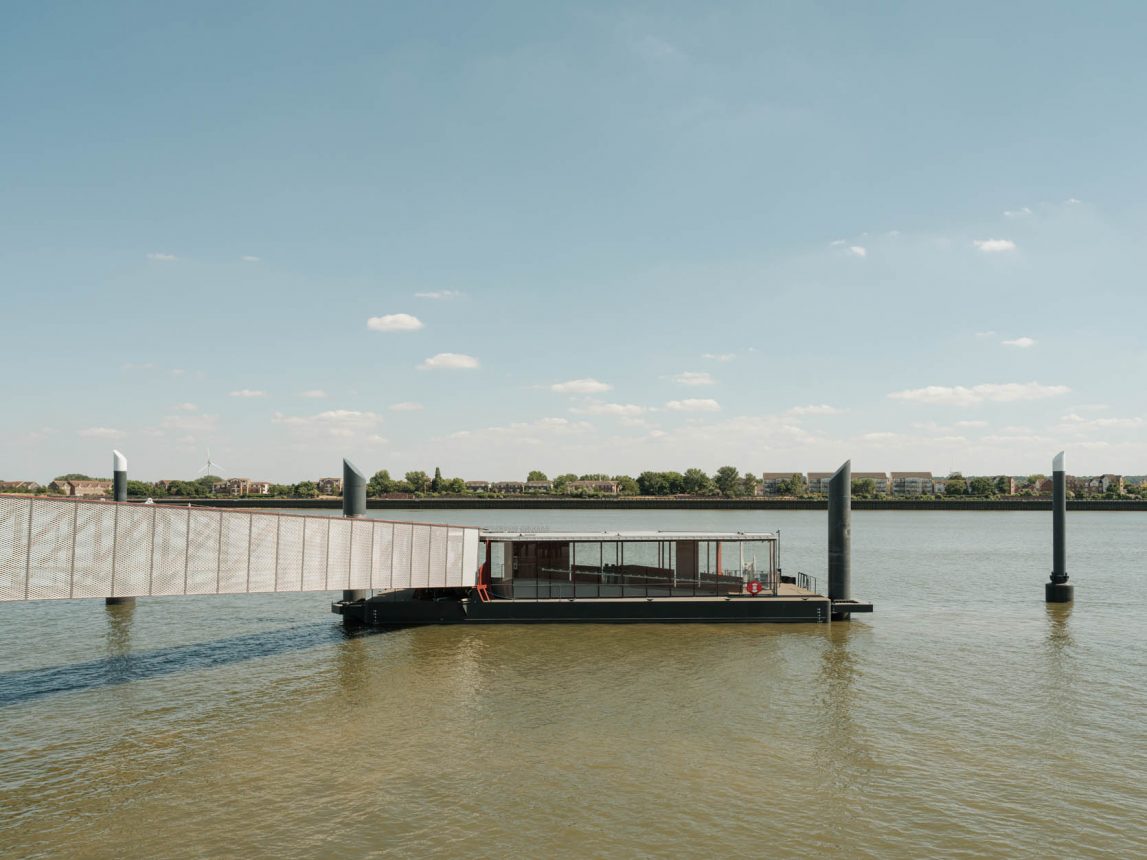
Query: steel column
point(1058, 590)
point(840, 534)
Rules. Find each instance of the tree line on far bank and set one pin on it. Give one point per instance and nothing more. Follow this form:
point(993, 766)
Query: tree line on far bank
point(726, 482)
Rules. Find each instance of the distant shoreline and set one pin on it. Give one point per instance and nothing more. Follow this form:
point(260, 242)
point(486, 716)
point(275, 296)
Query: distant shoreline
point(667, 504)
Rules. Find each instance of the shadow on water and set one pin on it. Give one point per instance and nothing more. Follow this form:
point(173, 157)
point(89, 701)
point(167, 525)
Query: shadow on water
point(122, 666)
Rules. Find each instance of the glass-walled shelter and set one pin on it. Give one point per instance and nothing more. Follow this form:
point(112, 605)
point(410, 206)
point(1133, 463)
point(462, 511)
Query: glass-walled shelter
point(584, 565)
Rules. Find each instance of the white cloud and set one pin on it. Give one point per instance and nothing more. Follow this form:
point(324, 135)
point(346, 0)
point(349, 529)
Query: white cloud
point(439, 295)
point(598, 407)
point(335, 423)
point(740, 438)
point(580, 386)
point(857, 250)
point(1022, 212)
point(693, 405)
point(1021, 440)
point(249, 259)
point(161, 257)
point(972, 424)
point(983, 334)
point(960, 395)
point(526, 432)
point(1090, 407)
point(720, 356)
point(1077, 423)
point(248, 393)
point(406, 406)
point(315, 393)
point(882, 436)
point(814, 409)
point(394, 322)
point(449, 361)
point(101, 433)
point(1020, 342)
point(190, 423)
point(1072, 201)
point(186, 407)
point(693, 377)
point(898, 442)
point(994, 246)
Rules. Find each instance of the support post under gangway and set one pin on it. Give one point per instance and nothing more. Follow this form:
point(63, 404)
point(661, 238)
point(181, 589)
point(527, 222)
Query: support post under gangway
point(354, 506)
point(840, 535)
point(1058, 590)
point(119, 493)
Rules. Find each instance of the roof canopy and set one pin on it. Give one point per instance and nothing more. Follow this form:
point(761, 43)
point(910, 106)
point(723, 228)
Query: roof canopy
point(568, 537)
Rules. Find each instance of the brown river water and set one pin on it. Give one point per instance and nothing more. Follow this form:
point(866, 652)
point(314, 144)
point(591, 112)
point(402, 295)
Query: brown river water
point(964, 718)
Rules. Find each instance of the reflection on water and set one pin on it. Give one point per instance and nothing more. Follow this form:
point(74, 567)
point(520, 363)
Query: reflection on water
point(352, 663)
point(966, 720)
point(1059, 631)
point(1062, 691)
point(118, 637)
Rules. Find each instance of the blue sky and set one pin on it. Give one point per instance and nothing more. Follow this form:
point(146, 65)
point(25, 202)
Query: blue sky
point(642, 235)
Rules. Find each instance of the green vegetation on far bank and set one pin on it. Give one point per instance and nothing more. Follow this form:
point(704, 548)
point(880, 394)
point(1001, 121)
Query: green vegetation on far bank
point(727, 482)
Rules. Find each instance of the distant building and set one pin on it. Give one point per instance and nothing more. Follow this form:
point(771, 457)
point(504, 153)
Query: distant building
point(258, 488)
point(330, 486)
point(231, 487)
point(18, 486)
point(879, 480)
point(539, 486)
point(600, 488)
point(510, 487)
point(818, 481)
point(478, 486)
point(771, 482)
point(1100, 484)
point(1113, 483)
point(912, 484)
point(82, 489)
point(939, 485)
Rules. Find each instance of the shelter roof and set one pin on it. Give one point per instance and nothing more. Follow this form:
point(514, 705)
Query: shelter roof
point(612, 537)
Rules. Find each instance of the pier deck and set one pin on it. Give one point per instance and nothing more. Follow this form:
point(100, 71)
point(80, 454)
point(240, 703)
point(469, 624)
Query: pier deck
point(792, 607)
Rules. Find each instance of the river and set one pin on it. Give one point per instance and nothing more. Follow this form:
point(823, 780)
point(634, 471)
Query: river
point(963, 718)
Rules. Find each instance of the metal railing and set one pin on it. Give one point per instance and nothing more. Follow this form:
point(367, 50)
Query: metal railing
point(557, 583)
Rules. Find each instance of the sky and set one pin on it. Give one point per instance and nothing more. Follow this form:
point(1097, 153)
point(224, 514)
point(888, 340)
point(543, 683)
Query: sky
point(579, 237)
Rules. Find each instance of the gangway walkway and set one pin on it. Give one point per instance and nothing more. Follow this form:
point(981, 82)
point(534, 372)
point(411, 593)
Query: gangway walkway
point(54, 549)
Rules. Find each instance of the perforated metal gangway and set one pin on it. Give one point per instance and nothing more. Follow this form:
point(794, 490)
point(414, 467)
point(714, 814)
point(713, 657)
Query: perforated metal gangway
point(54, 549)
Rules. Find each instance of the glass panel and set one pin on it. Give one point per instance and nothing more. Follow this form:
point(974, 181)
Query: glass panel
point(498, 561)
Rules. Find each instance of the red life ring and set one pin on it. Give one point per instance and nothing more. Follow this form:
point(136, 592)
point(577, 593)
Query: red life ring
point(754, 587)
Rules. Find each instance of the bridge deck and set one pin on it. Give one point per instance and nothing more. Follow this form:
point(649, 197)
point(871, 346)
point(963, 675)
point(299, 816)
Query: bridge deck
point(68, 548)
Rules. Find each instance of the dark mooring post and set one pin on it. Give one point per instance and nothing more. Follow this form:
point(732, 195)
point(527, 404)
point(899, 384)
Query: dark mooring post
point(1058, 590)
point(354, 506)
point(840, 536)
point(119, 493)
